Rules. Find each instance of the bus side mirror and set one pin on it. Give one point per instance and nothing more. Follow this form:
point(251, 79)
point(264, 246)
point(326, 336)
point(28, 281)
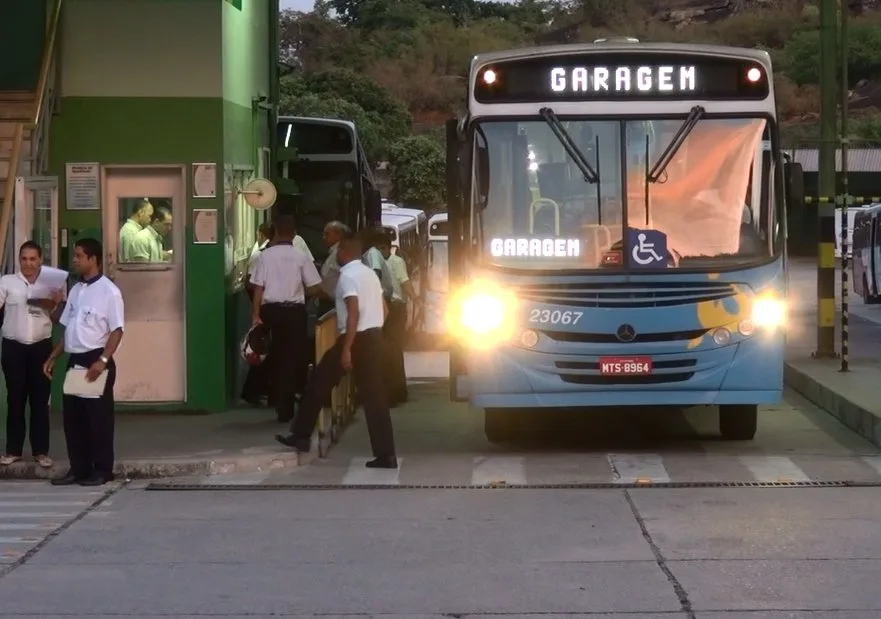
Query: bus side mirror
point(793, 176)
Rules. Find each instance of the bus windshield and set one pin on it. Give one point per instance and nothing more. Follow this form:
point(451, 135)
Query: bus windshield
point(709, 206)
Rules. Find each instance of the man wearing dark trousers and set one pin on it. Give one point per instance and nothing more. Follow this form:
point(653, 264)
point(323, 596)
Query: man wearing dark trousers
point(360, 310)
point(395, 327)
point(93, 322)
point(30, 307)
point(257, 380)
point(282, 277)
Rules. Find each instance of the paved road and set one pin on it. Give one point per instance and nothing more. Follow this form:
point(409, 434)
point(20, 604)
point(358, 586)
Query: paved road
point(396, 552)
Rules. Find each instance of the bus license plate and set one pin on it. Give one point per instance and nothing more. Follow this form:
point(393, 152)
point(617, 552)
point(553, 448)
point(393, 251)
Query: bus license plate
point(625, 366)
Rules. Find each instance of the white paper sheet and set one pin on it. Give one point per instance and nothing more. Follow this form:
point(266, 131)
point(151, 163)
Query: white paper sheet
point(50, 279)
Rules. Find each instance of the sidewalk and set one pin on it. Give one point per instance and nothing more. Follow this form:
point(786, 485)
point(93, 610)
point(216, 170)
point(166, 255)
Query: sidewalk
point(150, 445)
point(852, 397)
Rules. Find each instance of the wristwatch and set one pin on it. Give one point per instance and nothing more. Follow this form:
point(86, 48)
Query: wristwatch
point(104, 359)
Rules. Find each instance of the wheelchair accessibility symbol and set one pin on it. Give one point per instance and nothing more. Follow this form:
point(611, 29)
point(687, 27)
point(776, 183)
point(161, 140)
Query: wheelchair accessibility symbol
point(648, 248)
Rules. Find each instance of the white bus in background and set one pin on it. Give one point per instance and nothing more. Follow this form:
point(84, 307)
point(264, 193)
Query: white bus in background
point(436, 278)
point(407, 229)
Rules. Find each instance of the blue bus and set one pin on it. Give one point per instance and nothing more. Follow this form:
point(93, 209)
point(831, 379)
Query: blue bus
point(617, 235)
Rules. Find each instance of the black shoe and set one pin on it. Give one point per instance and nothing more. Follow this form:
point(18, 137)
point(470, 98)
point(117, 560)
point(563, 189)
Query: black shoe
point(253, 401)
point(383, 462)
point(289, 440)
point(94, 480)
point(68, 480)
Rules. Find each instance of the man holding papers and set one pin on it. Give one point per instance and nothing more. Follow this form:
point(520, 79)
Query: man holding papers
point(93, 322)
point(31, 300)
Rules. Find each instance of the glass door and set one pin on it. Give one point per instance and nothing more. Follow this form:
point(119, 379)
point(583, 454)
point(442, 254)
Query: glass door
point(36, 214)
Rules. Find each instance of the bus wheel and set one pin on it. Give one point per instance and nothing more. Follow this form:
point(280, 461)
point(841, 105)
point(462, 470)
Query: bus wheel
point(500, 425)
point(738, 422)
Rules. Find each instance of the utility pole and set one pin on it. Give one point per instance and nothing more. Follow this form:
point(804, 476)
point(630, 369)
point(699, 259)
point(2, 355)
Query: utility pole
point(845, 185)
point(826, 208)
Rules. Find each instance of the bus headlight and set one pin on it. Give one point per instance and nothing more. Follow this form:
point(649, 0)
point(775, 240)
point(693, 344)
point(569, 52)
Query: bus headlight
point(769, 312)
point(481, 315)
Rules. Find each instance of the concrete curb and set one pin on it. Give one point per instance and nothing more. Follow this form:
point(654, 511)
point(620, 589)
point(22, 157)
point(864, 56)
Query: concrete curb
point(854, 416)
point(171, 467)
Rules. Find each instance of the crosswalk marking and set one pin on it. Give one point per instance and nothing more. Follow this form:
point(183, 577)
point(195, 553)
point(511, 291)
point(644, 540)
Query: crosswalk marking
point(360, 475)
point(464, 469)
point(773, 469)
point(29, 511)
point(509, 470)
point(638, 468)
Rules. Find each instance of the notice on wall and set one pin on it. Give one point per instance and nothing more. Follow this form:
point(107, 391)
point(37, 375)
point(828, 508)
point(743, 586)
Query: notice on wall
point(204, 180)
point(83, 186)
point(204, 226)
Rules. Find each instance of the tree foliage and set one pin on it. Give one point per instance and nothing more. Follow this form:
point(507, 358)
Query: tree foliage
point(398, 67)
point(417, 166)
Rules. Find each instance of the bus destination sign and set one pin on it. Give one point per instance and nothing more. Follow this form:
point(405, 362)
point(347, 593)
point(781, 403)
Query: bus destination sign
point(631, 76)
point(623, 79)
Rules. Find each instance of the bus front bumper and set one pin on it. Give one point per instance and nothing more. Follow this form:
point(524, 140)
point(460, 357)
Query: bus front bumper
point(748, 372)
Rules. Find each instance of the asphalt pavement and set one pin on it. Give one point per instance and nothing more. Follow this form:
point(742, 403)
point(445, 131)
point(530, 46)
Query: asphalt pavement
point(549, 526)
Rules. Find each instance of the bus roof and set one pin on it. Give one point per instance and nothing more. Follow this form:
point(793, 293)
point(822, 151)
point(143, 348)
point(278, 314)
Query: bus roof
point(619, 46)
point(390, 219)
point(415, 213)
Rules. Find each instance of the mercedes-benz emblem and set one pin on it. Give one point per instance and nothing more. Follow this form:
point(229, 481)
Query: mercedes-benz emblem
point(625, 333)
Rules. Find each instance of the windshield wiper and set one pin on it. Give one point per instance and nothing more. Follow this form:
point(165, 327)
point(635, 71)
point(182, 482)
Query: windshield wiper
point(590, 175)
point(673, 147)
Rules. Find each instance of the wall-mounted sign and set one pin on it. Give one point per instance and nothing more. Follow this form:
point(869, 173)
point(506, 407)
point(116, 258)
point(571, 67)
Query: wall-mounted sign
point(205, 226)
point(204, 180)
point(83, 186)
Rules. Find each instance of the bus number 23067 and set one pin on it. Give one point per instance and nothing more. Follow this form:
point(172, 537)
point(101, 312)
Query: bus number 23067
point(555, 317)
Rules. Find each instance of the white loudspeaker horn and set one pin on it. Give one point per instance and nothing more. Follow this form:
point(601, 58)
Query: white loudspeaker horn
point(260, 194)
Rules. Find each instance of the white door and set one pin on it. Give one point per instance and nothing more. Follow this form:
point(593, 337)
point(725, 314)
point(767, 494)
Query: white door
point(36, 215)
point(144, 215)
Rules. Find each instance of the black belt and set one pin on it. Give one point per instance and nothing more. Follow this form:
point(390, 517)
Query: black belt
point(285, 303)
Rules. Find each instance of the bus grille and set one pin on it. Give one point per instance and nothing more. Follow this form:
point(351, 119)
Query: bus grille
point(621, 295)
point(675, 371)
point(611, 338)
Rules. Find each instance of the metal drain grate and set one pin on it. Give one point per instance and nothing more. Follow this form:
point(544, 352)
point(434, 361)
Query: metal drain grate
point(171, 486)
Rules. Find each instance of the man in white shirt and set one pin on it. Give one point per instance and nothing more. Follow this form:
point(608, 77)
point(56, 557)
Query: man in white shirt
point(142, 213)
point(373, 258)
point(395, 328)
point(360, 312)
point(93, 322)
point(334, 232)
point(148, 245)
point(30, 308)
point(283, 276)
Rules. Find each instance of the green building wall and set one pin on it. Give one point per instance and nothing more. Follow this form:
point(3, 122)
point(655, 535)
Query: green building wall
point(187, 92)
